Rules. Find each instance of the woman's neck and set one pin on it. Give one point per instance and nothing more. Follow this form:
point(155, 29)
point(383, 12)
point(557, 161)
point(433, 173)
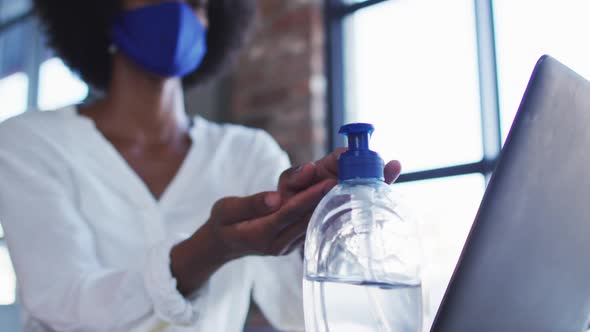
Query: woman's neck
point(142, 106)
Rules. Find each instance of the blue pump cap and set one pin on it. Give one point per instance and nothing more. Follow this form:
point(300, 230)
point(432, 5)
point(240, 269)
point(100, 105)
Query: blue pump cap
point(359, 162)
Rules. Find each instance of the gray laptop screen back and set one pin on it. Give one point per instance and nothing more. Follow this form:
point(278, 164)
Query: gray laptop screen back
point(526, 263)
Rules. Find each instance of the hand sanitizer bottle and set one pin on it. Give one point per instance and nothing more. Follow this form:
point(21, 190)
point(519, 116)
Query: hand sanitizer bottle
point(362, 255)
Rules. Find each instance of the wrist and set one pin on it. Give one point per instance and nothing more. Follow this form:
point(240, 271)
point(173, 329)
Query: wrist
point(210, 239)
point(206, 247)
point(193, 260)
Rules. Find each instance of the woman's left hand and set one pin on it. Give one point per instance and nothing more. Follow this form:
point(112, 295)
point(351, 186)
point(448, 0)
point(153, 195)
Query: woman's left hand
point(299, 178)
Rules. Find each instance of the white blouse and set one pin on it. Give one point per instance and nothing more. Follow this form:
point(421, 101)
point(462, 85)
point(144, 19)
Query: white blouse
point(90, 244)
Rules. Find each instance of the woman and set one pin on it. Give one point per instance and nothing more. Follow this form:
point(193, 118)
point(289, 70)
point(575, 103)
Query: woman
point(125, 214)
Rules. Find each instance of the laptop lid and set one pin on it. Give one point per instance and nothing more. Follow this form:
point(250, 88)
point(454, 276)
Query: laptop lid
point(526, 263)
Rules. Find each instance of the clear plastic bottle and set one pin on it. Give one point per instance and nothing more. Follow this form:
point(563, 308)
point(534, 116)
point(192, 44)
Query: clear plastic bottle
point(362, 255)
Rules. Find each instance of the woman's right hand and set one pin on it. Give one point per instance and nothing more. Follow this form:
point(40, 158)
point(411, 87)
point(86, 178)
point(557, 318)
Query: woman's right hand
point(264, 224)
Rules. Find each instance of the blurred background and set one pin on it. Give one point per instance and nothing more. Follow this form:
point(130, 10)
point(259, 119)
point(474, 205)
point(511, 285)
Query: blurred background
point(440, 79)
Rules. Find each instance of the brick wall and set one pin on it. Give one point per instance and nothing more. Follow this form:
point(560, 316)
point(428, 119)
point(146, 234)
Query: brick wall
point(279, 82)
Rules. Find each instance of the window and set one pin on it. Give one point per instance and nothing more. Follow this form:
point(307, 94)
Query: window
point(444, 209)
point(58, 86)
point(13, 93)
point(14, 65)
point(525, 29)
point(441, 81)
point(402, 55)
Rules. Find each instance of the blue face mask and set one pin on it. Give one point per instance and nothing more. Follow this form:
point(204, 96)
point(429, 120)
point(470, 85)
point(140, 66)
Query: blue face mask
point(166, 39)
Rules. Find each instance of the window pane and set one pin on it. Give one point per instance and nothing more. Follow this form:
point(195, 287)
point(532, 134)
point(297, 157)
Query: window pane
point(13, 94)
point(7, 278)
point(16, 44)
point(58, 86)
point(445, 209)
point(412, 71)
point(527, 29)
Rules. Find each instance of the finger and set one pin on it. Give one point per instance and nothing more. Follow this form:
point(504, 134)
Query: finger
point(327, 167)
point(293, 210)
point(301, 177)
point(304, 203)
point(297, 178)
point(232, 210)
point(289, 238)
point(298, 206)
point(295, 245)
point(392, 171)
point(294, 235)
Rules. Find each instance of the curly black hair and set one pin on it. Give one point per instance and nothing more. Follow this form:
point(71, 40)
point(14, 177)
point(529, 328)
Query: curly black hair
point(79, 32)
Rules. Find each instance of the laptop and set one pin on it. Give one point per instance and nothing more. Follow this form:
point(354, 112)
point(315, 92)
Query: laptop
point(526, 263)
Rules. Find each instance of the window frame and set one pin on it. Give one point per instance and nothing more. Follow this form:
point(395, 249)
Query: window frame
point(335, 13)
point(34, 57)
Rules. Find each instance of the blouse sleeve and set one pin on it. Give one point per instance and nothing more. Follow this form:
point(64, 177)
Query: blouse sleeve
point(277, 280)
point(62, 282)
